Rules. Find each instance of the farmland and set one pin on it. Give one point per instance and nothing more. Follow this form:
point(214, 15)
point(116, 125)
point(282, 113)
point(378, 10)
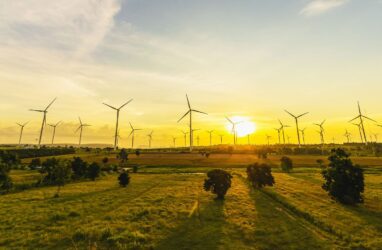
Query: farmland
point(165, 207)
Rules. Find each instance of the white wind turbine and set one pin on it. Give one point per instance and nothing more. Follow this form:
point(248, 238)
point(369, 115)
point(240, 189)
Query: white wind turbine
point(296, 120)
point(80, 128)
point(21, 130)
point(132, 134)
point(54, 126)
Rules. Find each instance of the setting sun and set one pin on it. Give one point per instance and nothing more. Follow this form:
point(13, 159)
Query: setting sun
point(244, 126)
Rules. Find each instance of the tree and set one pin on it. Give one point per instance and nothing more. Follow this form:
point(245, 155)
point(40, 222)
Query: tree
point(93, 171)
point(105, 160)
point(61, 174)
point(344, 181)
point(260, 175)
point(137, 152)
point(36, 162)
point(286, 164)
point(79, 168)
point(123, 155)
point(218, 182)
point(124, 179)
point(47, 168)
point(5, 180)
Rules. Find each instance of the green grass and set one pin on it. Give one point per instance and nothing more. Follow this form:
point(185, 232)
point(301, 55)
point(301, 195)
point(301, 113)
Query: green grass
point(160, 210)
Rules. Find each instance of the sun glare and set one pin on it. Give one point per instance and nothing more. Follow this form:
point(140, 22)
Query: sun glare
point(244, 126)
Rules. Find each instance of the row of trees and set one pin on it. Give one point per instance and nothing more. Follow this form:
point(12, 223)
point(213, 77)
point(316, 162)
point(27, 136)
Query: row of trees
point(343, 181)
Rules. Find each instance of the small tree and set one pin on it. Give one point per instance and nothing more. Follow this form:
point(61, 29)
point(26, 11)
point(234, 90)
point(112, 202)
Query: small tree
point(137, 152)
point(61, 174)
point(344, 181)
point(124, 179)
point(79, 168)
point(105, 160)
point(218, 182)
point(5, 180)
point(260, 175)
point(93, 171)
point(286, 164)
point(36, 162)
point(123, 155)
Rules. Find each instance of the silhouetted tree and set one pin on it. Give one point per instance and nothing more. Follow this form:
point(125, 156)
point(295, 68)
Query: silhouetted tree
point(137, 152)
point(218, 182)
point(124, 179)
point(286, 164)
point(5, 180)
point(79, 168)
point(260, 175)
point(93, 171)
point(344, 181)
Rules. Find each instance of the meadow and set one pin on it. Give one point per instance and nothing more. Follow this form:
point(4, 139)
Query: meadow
point(165, 207)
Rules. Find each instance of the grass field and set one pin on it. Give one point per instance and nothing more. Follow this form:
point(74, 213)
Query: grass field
point(171, 211)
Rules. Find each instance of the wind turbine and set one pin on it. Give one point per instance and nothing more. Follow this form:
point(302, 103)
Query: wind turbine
point(197, 140)
point(234, 129)
point(190, 110)
point(268, 138)
point(54, 126)
point(150, 138)
point(21, 130)
point(303, 134)
point(296, 120)
point(45, 111)
point(174, 141)
point(347, 135)
point(210, 132)
point(359, 129)
point(283, 129)
point(320, 125)
point(249, 139)
point(116, 125)
point(278, 133)
point(82, 125)
point(376, 138)
point(132, 134)
point(221, 139)
point(185, 137)
point(360, 116)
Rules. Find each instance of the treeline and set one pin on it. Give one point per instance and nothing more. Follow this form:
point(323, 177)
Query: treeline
point(35, 152)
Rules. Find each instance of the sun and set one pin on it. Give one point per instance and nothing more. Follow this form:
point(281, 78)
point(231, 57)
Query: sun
point(244, 126)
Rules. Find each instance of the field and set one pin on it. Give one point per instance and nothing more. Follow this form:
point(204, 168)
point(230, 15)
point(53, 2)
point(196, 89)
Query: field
point(165, 207)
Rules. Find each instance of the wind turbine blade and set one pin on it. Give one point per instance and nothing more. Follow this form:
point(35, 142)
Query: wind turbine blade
point(37, 110)
point(77, 129)
point(184, 115)
point(126, 103)
point(369, 118)
point(281, 124)
point(79, 118)
point(25, 123)
point(19, 124)
point(303, 114)
point(188, 102)
point(199, 111)
point(354, 118)
point(131, 126)
point(132, 131)
point(50, 103)
point(322, 123)
point(58, 123)
point(229, 120)
point(290, 113)
point(109, 106)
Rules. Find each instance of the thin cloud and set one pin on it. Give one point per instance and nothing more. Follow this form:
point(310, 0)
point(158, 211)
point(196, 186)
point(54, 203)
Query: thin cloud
point(318, 7)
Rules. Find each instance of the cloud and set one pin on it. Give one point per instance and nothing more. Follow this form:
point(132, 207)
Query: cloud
point(317, 7)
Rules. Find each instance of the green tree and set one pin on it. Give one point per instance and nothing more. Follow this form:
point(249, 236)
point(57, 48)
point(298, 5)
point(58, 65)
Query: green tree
point(61, 174)
point(79, 168)
point(124, 179)
point(286, 164)
point(344, 181)
point(260, 175)
point(218, 182)
point(94, 171)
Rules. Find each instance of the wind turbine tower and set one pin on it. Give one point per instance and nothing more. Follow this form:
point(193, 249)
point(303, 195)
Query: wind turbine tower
point(150, 136)
point(21, 130)
point(132, 134)
point(82, 125)
point(321, 126)
point(296, 120)
point(210, 132)
point(54, 126)
point(360, 116)
point(282, 128)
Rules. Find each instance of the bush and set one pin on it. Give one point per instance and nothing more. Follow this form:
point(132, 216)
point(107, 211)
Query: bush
point(123, 155)
point(36, 162)
point(61, 174)
point(124, 179)
point(93, 171)
point(260, 175)
point(218, 182)
point(135, 169)
point(286, 164)
point(5, 180)
point(344, 181)
point(105, 160)
point(79, 168)
point(137, 152)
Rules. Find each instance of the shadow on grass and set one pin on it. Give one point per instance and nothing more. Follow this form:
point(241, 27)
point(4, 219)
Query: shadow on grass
point(205, 233)
point(370, 217)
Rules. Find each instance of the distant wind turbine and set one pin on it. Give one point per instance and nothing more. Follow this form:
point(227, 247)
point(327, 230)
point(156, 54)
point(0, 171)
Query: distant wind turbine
point(185, 137)
point(221, 139)
point(150, 138)
point(296, 120)
point(80, 128)
point(283, 126)
point(45, 111)
point(210, 132)
point(360, 116)
point(303, 135)
point(359, 129)
point(189, 112)
point(347, 135)
point(278, 133)
point(174, 141)
point(21, 130)
point(321, 126)
point(268, 139)
point(234, 131)
point(132, 134)
point(116, 125)
point(54, 126)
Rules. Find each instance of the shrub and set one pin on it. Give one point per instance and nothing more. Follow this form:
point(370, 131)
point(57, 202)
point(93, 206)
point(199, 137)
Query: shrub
point(36, 162)
point(5, 180)
point(260, 175)
point(124, 179)
point(344, 181)
point(137, 152)
point(286, 164)
point(123, 155)
point(79, 168)
point(93, 171)
point(218, 182)
point(61, 174)
point(135, 169)
point(105, 160)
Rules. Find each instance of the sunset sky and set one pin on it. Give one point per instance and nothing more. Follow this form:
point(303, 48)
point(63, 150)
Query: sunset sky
point(251, 58)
